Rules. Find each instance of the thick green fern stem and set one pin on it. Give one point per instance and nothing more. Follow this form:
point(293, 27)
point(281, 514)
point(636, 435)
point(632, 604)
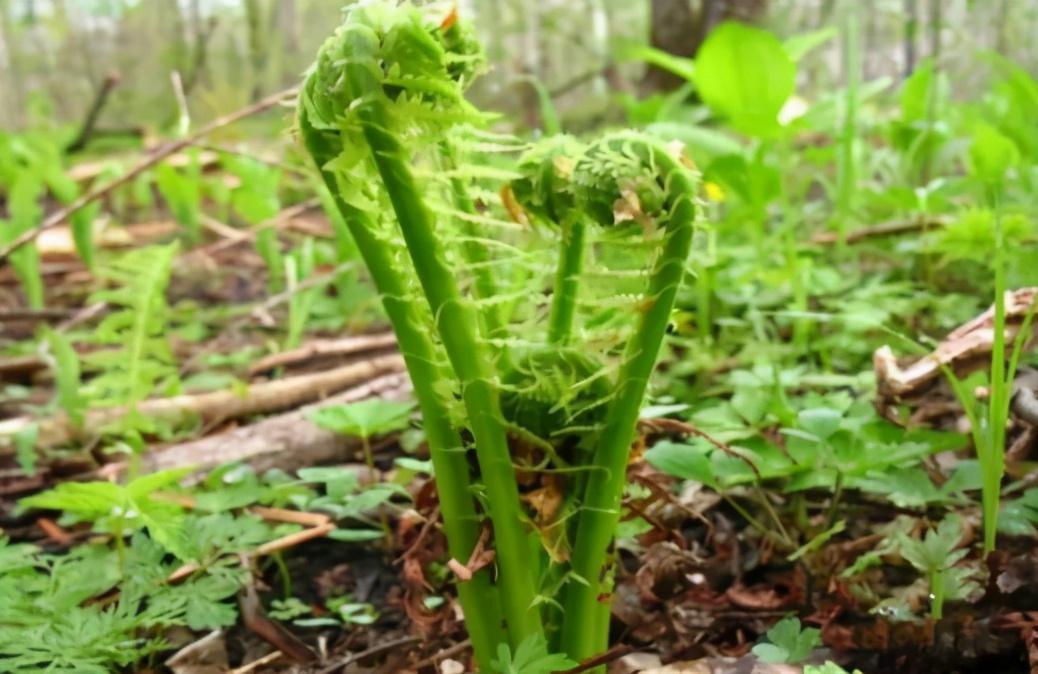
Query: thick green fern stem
point(478, 597)
point(382, 57)
point(632, 169)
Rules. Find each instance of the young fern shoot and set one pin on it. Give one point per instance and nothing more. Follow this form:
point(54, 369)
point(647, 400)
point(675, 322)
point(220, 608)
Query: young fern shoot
point(385, 67)
point(377, 109)
point(629, 168)
point(544, 191)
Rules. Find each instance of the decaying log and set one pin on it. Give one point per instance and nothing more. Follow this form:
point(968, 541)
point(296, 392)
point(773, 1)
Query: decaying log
point(212, 407)
point(326, 348)
point(287, 441)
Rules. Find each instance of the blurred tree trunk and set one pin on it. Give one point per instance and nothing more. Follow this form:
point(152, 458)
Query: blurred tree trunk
point(287, 24)
point(911, 22)
point(1001, 35)
point(256, 19)
point(935, 29)
point(679, 27)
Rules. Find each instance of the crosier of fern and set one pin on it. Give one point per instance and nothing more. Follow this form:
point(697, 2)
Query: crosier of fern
point(332, 130)
point(638, 172)
point(384, 102)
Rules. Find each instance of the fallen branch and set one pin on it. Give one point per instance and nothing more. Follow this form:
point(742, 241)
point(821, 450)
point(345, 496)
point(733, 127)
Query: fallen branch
point(969, 342)
point(326, 348)
point(287, 441)
point(210, 407)
point(86, 129)
point(60, 215)
point(343, 662)
point(893, 228)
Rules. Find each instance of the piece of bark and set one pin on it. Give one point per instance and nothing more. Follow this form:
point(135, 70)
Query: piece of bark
point(965, 344)
point(287, 441)
point(325, 348)
point(211, 407)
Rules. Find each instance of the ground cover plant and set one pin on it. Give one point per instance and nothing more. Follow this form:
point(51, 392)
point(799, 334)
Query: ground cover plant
point(737, 373)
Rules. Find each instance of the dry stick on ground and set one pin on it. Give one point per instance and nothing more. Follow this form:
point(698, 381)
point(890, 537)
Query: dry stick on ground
point(60, 215)
point(277, 545)
point(287, 441)
point(210, 407)
point(347, 660)
point(272, 632)
point(347, 346)
point(437, 658)
point(892, 228)
point(285, 216)
point(37, 315)
point(86, 130)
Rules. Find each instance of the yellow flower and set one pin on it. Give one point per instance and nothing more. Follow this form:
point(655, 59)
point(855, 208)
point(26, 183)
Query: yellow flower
point(713, 191)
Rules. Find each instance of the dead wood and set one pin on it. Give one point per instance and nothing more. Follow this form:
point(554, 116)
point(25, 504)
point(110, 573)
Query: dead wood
point(964, 344)
point(884, 229)
point(209, 407)
point(325, 348)
point(287, 441)
point(86, 129)
point(59, 216)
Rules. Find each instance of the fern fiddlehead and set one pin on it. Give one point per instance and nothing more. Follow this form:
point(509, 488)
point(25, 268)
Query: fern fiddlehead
point(384, 96)
point(656, 188)
point(385, 68)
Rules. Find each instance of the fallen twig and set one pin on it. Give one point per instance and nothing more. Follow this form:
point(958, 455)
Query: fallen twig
point(259, 662)
point(86, 129)
point(210, 407)
point(60, 215)
point(287, 441)
point(347, 660)
point(436, 658)
point(663, 424)
point(892, 228)
point(347, 346)
point(272, 632)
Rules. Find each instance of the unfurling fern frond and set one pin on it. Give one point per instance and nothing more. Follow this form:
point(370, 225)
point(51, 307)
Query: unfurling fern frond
point(143, 360)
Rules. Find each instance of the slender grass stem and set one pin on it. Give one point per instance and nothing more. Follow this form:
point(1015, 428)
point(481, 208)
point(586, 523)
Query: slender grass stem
point(847, 168)
point(998, 411)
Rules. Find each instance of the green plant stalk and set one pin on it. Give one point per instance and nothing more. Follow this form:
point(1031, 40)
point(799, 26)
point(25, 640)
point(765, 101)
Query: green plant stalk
point(998, 411)
point(937, 594)
point(567, 279)
point(582, 633)
point(478, 597)
point(457, 324)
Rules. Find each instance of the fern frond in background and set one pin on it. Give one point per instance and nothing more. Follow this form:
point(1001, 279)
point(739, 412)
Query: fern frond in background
point(143, 360)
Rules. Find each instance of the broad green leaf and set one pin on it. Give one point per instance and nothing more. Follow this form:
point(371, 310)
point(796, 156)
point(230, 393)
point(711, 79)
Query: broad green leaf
point(799, 46)
point(992, 154)
point(682, 460)
point(365, 419)
point(745, 75)
point(679, 65)
point(821, 422)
